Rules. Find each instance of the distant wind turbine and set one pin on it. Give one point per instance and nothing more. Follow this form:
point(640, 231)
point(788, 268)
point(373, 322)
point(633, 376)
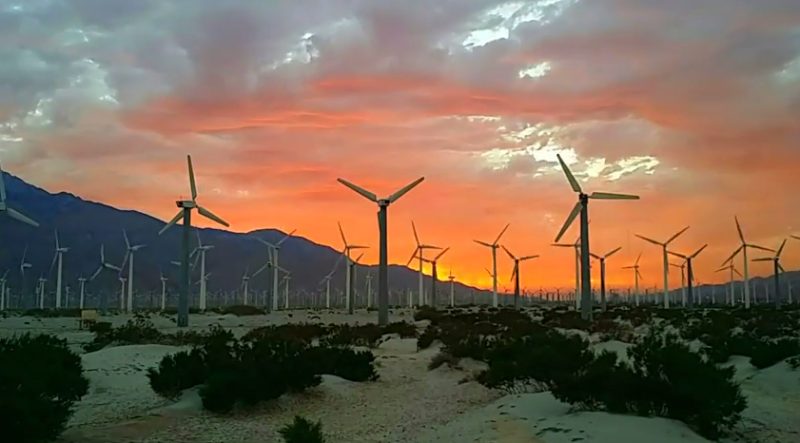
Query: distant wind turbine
point(743, 249)
point(665, 258)
point(58, 258)
point(777, 270)
point(82, 282)
point(130, 253)
point(200, 253)
point(245, 286)
point(582, 208)
point(732, 269)
point(3, 301)
point(419, 252)
point(493, 246)
point(276, 249)
point(452, 279)
point(577, 247)
point(163, 291)
point(515, 272)
point(602, 260)
point(348, 301)
point(689, 271)
point(383, 250)
point(434, 274)
point(636, 276)
point(185, 214)
point(327, 281)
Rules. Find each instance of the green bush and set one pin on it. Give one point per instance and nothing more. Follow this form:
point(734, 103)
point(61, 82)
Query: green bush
point(178, 372)
point(345, 363)
point(302, 431)
point(240, 310)
point(361, 335)
point(53, 313)
point(403, 329)
point(40, 379)
point(768, 353)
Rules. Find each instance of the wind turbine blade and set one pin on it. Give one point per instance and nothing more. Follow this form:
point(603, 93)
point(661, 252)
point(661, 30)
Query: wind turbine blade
point(414, 229)
point(528, 257)
point(796, 237)
point(612, 196)
point(561, 245)
point(676, 254)
point(780, 268)
point(125, 259)
point(764, 259)
point(761, 247)
point(341, 231)
point(489, 272)
point(571, 218)
point(699, 251)
point(102, 253)
point(571, 178)
point(96, 273)
point(58, 246)
point(210, 215)
point(413, 256)
point(780, 249)
point(366, 194)
point(53, 263)
point(595, 255)
point(192, 183)
point(287, 237)
point(127, 242)
point(483, 243)
point(739, 228)
point(649, 240)
point(501, 234)
point(676, 235)
point(265, 243)
point(13, 213)
point(110, 266)
point(735, 253)
point(260, 270)
point(405, 189)
point(513, 273)
point(441, 254)
point(613, 252)
point(737, 272)
point(508, 252)
point(174, 220)
point(638, 258)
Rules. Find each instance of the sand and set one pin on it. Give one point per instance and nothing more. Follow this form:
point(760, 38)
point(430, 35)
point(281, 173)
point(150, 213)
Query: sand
point(409, 403)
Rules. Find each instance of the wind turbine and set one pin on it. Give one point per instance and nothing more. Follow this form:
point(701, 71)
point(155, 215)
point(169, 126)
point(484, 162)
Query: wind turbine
point(287, 278)
point(103, 265)
point(582, 208)
point(777, 269)
point(58, 259)
point(185, 214)
point(682, 267)
point(434, 274)
point(383, 250)
point(163, 291)
point(419, 253)
point(130, 253)
point(82, 282)
point(602, 260)
point(636, 276)
point(274, 263)
point(42, 282)
point(9, 211)
point(743, 250)
point(515, 272)
point(267, 266)
point(348, 300)
point(665, 259)
point(245, 285)
point(202, 249)
point(23, 265)
point(3, 300)
point(493, 246)
point(122, 292)
point(689, 271)
point(452, 279)
point(577, 247)
point(327, 280)
point(732, 269)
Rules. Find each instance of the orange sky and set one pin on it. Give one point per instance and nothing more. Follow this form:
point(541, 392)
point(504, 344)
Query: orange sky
point(695, 110)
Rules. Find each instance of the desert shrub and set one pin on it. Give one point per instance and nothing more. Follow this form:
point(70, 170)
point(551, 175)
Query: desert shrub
point(40, 379)
point(441, 358)
point(302, 431)
point(428, 313)
point(546, 357)
point(52, 313)
point(100, 327)
point(220, 391)
point(361, 335)
point(302, 333)
point(794, 362)
point(341, 362)
point(565, 320)
point(177, 372)
point(138, 330)
point(767, 353)
point(403, 329)
point(240, 310)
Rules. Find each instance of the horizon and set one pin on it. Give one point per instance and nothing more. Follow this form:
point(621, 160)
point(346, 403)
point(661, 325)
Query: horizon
point(104, 101)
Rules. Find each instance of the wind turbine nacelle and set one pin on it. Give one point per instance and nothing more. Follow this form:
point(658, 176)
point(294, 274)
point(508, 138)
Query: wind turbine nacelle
point(186, 204)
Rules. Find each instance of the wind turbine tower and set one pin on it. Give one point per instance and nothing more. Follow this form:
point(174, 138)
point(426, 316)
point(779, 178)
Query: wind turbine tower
point(602, 260)
point(493, 246)
point(515, 272)
point(130, 253)
point(665, 258)
point(383, 267)
point(743, 249)
point(689, 271)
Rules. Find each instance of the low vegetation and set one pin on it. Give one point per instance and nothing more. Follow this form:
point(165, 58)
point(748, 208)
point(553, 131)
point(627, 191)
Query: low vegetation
point(302, 431)
point(40, 380)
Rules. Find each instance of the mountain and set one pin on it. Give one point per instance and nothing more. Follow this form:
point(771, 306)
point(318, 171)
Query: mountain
point(84, 225)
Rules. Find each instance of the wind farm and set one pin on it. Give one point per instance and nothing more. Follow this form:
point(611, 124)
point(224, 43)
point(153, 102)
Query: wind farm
point(281, 222)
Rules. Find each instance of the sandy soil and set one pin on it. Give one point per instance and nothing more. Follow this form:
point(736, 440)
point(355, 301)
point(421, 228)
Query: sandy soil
point(408, 404)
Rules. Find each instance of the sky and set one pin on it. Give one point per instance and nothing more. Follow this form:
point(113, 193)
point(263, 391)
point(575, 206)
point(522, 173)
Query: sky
point(691, 104)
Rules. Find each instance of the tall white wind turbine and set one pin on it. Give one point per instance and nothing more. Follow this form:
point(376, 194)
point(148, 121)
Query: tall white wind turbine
point(3, 300)
point(383, 249)
point(104, 265)
point(687, 263)
point(245, 286)
point(434, 273)
point(185, 214)
point(493, 246)
point(58, 259)
point(274, 260)
point(743, 249)
point(602, 260)
point(82, 282)
point(130, 253)
point(201, 249)
point(327, 281)
point(582, 208)
point(419, 252)
point(732, 269)
point(163, 291)
point(348, 248)
point(515, 272)
point(9, 211)
point(636, 276)
point(777, 270)
point(665, 257)
point(23, 265)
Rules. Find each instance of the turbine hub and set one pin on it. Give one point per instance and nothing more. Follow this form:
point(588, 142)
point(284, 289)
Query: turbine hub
point(186, 204)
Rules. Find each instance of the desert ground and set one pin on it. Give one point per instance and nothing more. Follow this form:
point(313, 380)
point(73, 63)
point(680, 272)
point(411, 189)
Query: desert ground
point(409, 403)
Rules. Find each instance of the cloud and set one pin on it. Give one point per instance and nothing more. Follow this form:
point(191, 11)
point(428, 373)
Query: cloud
point(692, 108)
